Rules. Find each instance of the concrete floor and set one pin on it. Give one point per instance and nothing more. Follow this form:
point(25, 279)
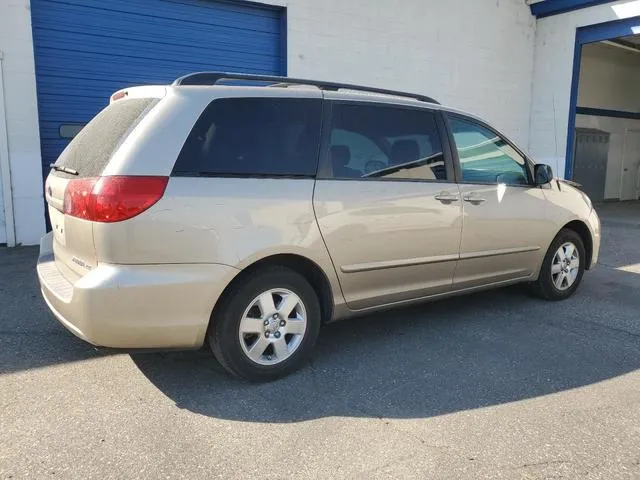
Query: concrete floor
point(495, 385)
point(627, 213)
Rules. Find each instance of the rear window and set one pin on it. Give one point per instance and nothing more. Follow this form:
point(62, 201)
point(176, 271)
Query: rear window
point(254, 136)
point(90, 150)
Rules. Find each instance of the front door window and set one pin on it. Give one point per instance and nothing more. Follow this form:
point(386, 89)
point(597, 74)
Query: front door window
point(485, 157)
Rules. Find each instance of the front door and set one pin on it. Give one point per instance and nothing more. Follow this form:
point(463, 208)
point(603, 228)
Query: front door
point(504, 222)
point(386, 204)
point(630, 166)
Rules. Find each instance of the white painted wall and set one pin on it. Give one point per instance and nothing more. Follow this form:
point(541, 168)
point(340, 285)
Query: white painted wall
point(475, 55)
point(22, 120)
point(553, 69)
point(3, 149)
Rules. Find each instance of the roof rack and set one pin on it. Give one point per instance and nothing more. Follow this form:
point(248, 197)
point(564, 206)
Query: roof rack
point(212, 78)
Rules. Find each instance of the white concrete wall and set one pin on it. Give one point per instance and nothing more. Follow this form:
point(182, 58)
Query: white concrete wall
point(553, 69)
point(3, 150)
point(22, 120)
point(472, 54)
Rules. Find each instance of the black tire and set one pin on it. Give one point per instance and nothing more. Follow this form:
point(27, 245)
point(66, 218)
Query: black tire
point(223, 334)
point(545, 287)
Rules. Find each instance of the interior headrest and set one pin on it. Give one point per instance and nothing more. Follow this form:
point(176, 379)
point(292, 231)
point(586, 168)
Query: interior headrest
point(340, 155)
point(404, 151)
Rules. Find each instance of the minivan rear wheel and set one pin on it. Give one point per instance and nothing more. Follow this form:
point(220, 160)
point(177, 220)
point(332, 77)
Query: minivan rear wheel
point(562, 268)
point(266, 325)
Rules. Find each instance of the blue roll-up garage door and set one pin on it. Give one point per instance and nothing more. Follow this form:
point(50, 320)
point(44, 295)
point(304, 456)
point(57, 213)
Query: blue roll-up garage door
point(87, 49)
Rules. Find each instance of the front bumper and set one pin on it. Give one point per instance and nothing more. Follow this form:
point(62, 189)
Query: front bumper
point(134, 306)
point(596, 236)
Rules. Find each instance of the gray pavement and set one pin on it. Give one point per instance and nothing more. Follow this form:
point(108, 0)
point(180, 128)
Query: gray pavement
point(495, 385)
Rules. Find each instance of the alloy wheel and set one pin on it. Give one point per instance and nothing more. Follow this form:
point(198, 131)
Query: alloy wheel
point(273, 326)
point(565, 266)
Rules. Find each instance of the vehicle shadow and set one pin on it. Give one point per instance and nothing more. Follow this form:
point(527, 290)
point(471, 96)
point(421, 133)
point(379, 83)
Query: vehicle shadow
point(30, 337)
point(464, 353)
point(459, 354)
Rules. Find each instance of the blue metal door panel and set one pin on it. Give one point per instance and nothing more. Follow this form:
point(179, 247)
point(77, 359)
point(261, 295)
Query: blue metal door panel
point(87, 49)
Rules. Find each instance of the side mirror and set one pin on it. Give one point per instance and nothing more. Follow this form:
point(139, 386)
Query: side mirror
point(543, 174)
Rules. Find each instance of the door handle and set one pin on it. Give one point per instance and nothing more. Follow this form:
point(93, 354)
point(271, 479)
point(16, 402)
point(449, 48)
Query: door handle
point(447, 198)
point(473, 199)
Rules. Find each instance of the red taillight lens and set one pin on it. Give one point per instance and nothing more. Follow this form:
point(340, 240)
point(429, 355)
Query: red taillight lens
point(118, 95)
point(112, 199)
point(78, 198)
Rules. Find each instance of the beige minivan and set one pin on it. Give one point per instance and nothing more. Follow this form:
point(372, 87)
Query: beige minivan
point(244, 215)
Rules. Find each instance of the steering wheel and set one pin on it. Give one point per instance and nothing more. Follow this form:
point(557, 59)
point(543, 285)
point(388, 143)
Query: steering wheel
point(373, 165)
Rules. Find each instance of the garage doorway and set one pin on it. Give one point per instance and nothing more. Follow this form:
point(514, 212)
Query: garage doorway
point(606, 157)
point(604, 126)
point(87, 49)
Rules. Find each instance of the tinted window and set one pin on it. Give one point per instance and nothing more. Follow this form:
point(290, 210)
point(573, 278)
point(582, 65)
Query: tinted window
point(385, 142)
point(254, 136)
point(90, 150)
point(485, 157)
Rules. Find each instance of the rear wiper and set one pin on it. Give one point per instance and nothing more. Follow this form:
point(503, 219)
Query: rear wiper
point(68, 170)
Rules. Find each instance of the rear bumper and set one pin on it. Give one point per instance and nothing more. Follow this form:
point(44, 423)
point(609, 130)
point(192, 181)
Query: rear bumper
point(134, 306)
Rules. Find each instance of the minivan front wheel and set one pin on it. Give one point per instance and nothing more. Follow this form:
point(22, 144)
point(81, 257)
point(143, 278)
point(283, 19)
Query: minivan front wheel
point(563, 267)
point(267, 325)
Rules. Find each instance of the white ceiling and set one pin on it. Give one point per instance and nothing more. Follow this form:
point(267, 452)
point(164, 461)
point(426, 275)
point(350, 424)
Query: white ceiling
point(635, 39)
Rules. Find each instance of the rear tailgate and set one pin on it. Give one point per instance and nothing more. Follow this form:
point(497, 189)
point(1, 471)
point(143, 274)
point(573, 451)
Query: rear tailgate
point(84, 159)
point(72, 237)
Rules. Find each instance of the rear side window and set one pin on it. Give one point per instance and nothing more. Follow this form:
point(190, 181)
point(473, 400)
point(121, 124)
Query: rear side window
point(254, 136)
point(90, 150)
point(385, 142)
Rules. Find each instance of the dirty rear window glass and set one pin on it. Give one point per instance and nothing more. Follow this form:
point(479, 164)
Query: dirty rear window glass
point(90, 150)
point(254, 136)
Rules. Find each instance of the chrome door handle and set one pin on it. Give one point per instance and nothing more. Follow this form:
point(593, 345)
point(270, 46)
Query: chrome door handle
point(473, 200)
point(446, 198)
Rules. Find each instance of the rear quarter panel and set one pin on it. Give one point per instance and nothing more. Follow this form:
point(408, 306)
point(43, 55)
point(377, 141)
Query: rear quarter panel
point(230, 221)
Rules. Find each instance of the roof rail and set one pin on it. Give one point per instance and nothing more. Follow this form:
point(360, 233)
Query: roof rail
point(212, 78)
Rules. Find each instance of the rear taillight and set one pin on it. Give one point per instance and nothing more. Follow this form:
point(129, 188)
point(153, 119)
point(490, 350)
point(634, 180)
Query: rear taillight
point(112, 199)
point(118, 95)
